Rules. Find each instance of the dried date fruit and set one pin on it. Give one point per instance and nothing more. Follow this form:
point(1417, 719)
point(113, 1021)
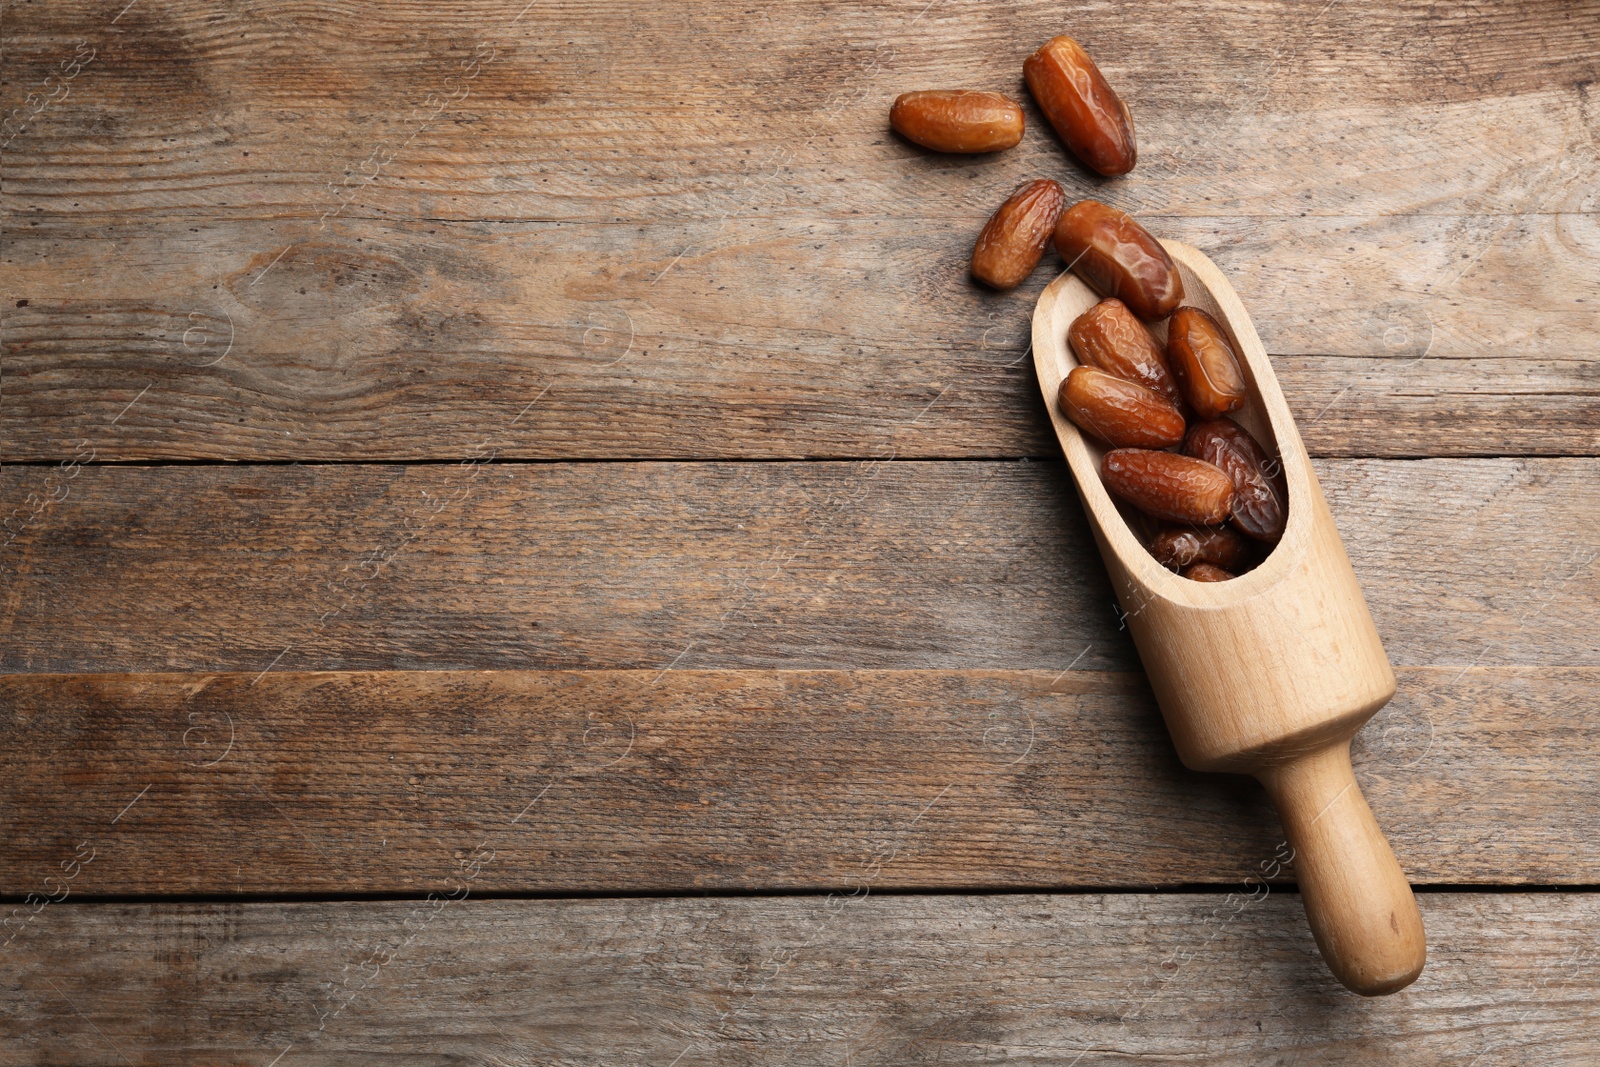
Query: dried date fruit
point(1086, 112)
point(1169, 486)
point(1119, 258)
point(1017, 234)
point(1176, 547)
point(1261, 496)
point(1109, 337)
point(1204, 364)
point(958, 120)
point(1205, 572)
point(1124, 414)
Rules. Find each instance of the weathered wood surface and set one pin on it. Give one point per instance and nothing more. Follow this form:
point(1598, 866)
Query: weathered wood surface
point(691, 234)
point(1034, 979)
point(649, 112)
point(596, 781)
point(656, 565)
point(249, 233)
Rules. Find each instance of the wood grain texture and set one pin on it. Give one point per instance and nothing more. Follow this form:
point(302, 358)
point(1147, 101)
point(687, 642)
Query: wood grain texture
point(1032, 979)
point(760, 565)
point(599, 781)
point(295, 232)
point(624, 109)
point(377, 340)
point(693, 235)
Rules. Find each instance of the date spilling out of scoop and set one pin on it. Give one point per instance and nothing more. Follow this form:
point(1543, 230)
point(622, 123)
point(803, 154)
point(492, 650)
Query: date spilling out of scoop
point(1087, 114)
point(1016, 236)
point(965, 121)
point(1118, 257)
point(1095, 125)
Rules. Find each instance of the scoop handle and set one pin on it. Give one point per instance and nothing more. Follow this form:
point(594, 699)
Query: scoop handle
point(1356, 896)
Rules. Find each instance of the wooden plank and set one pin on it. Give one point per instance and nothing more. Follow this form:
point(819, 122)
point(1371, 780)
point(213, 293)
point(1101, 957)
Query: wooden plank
point(1456, 407)
point(600, 781)
point(423, 341)
point(759, 565)
point(1034, 979)
point(686, 249)
point(579, 111)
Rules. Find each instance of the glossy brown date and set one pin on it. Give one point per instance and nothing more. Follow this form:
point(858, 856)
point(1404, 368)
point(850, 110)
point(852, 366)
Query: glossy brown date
point(1261, 497)
point(1086, 112)
point(1124, 414)
point(958, 120)
point(1109, 337)
point(1169, 486)
point(1204, 364)
point(1205, 572)
point(1119, 258)
point(1176, 547)
point(1017, 234)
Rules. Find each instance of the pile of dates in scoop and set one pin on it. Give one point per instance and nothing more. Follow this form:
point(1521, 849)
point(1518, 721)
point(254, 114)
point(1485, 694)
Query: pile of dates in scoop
point(1216, 497)
point(1174, 452)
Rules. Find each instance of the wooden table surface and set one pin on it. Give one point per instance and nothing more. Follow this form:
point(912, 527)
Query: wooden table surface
point(522, 544)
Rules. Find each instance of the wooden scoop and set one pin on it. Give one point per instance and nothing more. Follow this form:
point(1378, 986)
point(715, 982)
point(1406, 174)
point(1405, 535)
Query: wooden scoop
point(1268, 674)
